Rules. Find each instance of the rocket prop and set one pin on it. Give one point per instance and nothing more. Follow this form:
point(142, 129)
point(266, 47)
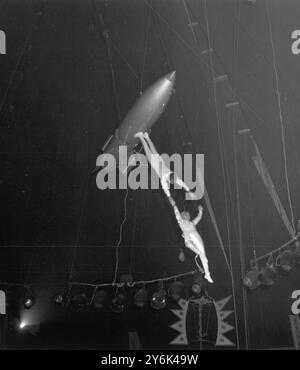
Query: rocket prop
point(141, 117)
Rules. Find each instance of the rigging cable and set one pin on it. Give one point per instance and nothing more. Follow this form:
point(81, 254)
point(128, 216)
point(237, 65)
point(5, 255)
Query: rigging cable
point(106, 37)
point(222, 155)
point(120, 238)
point(207, 199)
point(145, 51)
point(280, 116)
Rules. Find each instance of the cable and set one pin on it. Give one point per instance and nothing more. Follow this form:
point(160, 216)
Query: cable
point(140, 282)
point(120, 237)
point(280, 116)
point(145, 50)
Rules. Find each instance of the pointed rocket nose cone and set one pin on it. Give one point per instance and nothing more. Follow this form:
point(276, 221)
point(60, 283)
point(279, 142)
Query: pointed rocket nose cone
point(171, 76)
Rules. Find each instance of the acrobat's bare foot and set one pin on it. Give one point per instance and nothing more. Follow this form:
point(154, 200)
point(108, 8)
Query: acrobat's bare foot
point(208, 278)
point(140, 135)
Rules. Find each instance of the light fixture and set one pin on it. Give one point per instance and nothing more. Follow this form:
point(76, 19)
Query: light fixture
point(251, 279)
point(79, 301)
point(176, 290)
point(141, 297)
point(29, 299)
point(58, 299)
point(268, 273)
point(159, 299)
point(100, 299)
point(284, 261)
point(198, 284)
point(118, 303)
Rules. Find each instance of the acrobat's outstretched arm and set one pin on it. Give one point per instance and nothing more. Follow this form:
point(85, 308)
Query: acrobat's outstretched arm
point(198, 218)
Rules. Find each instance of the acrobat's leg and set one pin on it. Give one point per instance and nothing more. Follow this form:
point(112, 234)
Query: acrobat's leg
point(198, 248)
point(165, 185)
point(150, 143)
point(183, 185)
point(205, 266)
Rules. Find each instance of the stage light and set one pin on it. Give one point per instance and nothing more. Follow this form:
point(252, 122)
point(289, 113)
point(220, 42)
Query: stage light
point(176, 290)
point(118, 303)
point(22, 325)
point(141, 297)
point(251, 279)
point(285, 261)
point(198, 284)
point(59, 299)
point(79, 301)
point(100, 299)
point(268, 273)
point(29, 299)
point(159, 299)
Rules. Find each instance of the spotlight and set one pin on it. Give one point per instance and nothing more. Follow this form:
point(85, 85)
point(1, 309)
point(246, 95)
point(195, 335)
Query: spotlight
point(198, 284)
point(22, 325)
point(251, 279)
point(29, 299)
point(118, 303)
point(285, 261)
point(141, 297)
point(159, 299)
point(100, 299)
point(59, 299)
point(268, 273)
point(176, 290)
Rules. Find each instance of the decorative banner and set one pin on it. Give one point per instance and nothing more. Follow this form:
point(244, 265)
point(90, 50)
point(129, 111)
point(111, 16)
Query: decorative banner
point(187, 310)
point(222, 325)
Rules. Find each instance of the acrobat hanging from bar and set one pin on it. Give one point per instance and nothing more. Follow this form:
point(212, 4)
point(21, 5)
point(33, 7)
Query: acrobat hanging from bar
point(190, 234)
point(164, 173)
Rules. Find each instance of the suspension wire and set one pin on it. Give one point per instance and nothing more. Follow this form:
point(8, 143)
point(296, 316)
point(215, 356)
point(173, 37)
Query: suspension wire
point(106, 37)
point(120, 238)
point(280, 116)
point(194, 150)
point(124, 59)
point(133, 233)
point(248, 178)
point(145, 50)
point(224, 170)
point(190, 21)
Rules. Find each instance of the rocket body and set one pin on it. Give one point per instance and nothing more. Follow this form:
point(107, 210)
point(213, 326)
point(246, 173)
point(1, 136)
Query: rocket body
point(141, 117)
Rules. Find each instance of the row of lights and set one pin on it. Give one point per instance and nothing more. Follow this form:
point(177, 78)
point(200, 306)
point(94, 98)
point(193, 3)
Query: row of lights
point(283, 264)
point(158, 300)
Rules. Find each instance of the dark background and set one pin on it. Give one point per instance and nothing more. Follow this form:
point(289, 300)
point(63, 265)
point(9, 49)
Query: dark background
point(59, 104)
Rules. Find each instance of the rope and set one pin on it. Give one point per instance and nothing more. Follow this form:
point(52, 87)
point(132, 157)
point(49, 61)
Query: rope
point(120, 238)
point(145, 51)
point(280, 116)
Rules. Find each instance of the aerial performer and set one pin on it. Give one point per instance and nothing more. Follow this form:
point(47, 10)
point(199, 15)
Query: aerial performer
point(164, 173)
point(192, 238)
